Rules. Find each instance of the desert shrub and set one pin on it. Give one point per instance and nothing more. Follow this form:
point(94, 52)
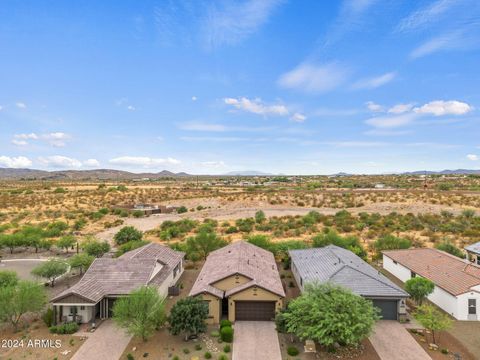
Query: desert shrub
point(225, 322)
point(198, 347)
point(390, 242)
point(47, 317)
point(227, 349)
point(207, 355)
point(223, 357)
point(292, 351)
point(181, 210)
point(226, 334)
point(450, 248)
point(127, 234)
point(67, 328)
point(130, 357)
point(330, 236)
point(138, 213)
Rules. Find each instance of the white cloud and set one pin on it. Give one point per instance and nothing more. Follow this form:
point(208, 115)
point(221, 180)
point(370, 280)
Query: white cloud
point(297, 117)
point(386, 122)
point(19, 142)
point(441, 107)
point(15, 162)
point(1, 108)
point(214, 138)
point(374, 107)
point(20, 105)
point(447, 41)
point(57, 139)
point(213, 164)
point(131, 107)
point(143, 161)
point(374, 82)
point(32, 136)
point(314, 78)
point(228, 23)
point(386, 132)
point(426, 15)
point(91, 163)
point(257, 106)
point(473, 157)
point(400, 108)
point(61, 162)
point(194, 98)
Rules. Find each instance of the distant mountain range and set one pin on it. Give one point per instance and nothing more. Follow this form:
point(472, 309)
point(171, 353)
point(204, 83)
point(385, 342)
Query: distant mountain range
point(98, 174)
point(109, 174)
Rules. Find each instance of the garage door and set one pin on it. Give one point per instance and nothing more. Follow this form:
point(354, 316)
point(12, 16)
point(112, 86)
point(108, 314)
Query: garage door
point(255, 310)
point(388, 308)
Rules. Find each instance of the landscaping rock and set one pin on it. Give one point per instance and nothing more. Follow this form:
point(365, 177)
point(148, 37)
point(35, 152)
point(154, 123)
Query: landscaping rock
point(433, 347)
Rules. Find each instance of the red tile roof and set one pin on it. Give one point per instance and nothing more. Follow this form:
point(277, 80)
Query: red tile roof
point(448, 272)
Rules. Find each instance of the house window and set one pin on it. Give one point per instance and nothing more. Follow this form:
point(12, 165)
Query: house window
point(301, 281)
point(472, 306)
point(82, 307)
point(73, 310)
point(412, 274)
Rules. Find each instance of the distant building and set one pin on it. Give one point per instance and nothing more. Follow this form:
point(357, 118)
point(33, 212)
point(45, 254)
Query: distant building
point(149, 209)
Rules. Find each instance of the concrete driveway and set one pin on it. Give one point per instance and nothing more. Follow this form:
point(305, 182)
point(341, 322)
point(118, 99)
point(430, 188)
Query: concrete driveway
point(254, 340)
point(393, 342)
point(106, 343)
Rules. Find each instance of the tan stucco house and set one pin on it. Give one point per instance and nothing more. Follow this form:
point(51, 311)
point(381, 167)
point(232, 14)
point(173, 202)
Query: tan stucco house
point(108, 279)
point(240, 282)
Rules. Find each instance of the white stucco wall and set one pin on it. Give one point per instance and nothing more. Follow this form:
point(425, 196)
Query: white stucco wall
point(296, 275)
point(397, 270)
point(457, 306)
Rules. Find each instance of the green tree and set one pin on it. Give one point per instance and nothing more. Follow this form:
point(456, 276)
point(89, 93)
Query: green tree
point(127, 234)
point(140, 313)
point(432, 319)
point(260, 217)
point(188, 316)
point(32, 236)
point(390, 242)
point(419, 288)
point(50, 270)
point(204, 243)
point(262, 241)
point(15, 301)
point(330, 236)
point(450, 248)
point(330, 314)
point(81, 261)
point(8, 278)
point(66, 242)
point(96, 248)
point(11, 241)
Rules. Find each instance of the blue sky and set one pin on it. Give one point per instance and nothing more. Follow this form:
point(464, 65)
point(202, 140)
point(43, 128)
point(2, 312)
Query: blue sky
point(295, 87)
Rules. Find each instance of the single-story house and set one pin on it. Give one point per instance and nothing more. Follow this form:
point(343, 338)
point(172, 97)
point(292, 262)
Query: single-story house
point(108, 279)
point(342, 267)
point(473, 252)
point(240, 281)
point(457, 281)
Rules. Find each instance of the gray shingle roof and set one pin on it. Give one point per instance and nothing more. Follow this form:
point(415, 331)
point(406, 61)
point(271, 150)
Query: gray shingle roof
point(474, 248)
point(241, 258)
point(342, 267)
point(147, 265)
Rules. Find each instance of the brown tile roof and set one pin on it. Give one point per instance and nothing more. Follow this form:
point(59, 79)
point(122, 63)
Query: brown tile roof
point(448, 272)
point(241, 258)
point(128, 272)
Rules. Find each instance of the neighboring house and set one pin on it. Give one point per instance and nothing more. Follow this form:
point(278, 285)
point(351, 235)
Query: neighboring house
point(473, 252)
point(240, 281)
point(342, 267)
point(457, 281)
point(108, 279)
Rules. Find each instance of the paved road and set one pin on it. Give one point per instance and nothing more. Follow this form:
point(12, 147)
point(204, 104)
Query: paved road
point(255, 340)
point(393, 342)
point(106, 343)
